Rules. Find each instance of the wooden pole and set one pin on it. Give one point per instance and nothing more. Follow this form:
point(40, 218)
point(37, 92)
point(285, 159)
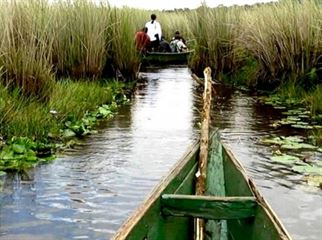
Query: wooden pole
point(203, 155)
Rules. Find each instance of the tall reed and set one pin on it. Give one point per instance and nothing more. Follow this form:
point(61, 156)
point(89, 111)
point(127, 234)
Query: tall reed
point(124, 56)
point(285, 38)
point(214, 31)
point(25, 47)
point(79, 30)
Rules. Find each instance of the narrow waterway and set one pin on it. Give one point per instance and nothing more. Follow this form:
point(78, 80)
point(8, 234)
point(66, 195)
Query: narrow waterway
point(89, 191)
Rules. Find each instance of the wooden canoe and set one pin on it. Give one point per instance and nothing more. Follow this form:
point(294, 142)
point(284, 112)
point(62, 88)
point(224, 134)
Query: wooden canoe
point(166, 57)
point(232, 208)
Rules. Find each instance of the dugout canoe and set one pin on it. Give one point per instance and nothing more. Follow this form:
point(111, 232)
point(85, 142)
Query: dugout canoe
point(232, 206)
point(166, 58)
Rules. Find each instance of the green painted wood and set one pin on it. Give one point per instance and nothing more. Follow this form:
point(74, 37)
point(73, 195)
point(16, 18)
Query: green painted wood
point(208, 207)
point(166, 58)
point(237, 184)
point(149, 222)
point(188, 184)
point(215, 230)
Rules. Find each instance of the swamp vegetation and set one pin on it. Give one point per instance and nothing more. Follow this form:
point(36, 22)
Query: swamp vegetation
point(56, 59)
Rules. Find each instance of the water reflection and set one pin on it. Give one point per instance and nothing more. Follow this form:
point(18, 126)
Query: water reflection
point(244, 122)
point(89, 192)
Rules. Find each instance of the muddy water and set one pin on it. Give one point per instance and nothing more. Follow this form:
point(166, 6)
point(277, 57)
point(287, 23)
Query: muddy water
point(89, 192)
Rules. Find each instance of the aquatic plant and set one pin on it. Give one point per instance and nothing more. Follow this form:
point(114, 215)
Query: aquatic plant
point(25, 47)
point(79, 32)
point(70, 100)
point(285, 39)
point(215, 31)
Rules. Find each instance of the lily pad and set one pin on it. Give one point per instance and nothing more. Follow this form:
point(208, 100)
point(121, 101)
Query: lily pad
point(302, 123)
point(308, 169)
point(280, 107)
point(283, 140)
point(18, 148)
point(104, 112)
point(69, 133)
point(294, 146)
point(286, 121)
point(292, 118)
point(296, 139)
point(276, 141)
point(301, 126)
point(285, 159)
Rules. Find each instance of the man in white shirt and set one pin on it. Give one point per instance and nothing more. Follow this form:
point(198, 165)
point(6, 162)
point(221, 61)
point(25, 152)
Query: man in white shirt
point(154, 32)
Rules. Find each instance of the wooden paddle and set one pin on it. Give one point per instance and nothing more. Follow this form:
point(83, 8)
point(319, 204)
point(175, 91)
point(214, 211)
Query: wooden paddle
point(203, 155)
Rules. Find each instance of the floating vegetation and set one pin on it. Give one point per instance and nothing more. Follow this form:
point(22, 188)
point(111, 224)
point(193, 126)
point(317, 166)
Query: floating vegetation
point(284, 158)
point(301, 126)
point(296, 146)
point(22, 152)
point(84, 126)
point(283, 140)
point(308, 169)
point(297, 160)
point(289, 143)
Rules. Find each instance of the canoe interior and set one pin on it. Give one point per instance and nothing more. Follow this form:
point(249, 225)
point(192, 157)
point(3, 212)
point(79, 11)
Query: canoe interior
point(166, 58)
point(225, 178)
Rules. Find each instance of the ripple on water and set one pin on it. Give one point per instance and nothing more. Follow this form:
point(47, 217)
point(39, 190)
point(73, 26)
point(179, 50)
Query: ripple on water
point(89, 192)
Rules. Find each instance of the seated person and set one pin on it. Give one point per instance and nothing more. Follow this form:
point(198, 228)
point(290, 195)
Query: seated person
point(142, 40)
point(178, 36)
point(178, 43)
point(164, 46)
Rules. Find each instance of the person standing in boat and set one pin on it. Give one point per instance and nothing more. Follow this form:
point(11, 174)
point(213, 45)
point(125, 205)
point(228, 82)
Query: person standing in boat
point(154, 32)
point(142, 40)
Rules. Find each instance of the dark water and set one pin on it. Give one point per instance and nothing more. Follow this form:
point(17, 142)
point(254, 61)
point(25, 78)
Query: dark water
point(89, 192)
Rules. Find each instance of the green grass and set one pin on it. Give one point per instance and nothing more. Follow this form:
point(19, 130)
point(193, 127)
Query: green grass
point(71, 100)
point(314, 100)
point(268, 45)
point(285, 39)
point(215, 32)
point(25, 47)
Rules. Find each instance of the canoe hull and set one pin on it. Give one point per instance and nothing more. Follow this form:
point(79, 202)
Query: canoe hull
point(166, 58)
point(226, 177)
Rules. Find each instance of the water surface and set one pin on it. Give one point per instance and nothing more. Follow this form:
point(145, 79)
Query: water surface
point(89, 191)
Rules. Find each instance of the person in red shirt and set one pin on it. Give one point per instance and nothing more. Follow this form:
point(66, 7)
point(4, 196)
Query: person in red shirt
point(142, 40)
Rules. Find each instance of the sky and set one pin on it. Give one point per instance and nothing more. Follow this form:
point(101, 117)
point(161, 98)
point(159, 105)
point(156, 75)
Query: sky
point(166, 4)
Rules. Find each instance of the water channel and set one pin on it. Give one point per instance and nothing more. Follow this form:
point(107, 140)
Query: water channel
point(89, 191)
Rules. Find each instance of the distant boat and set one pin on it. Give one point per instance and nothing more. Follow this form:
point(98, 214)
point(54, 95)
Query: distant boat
point(232, 206)
point(166, 57)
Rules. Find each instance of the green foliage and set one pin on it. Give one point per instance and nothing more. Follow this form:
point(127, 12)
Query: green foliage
point(22, 152)
point(286, 159)
point(289, 143)
point(285, 38)
point(80, 38)
point(39, 121)
point(25, 47)
point(70, 100)
point(121, 47)
point(215, 32)
point(314, 100)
